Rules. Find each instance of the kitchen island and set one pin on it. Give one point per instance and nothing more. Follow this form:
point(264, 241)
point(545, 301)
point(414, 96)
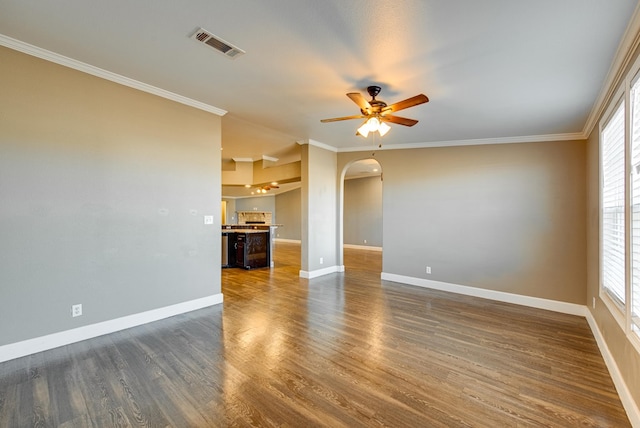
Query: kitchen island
point(247, 246)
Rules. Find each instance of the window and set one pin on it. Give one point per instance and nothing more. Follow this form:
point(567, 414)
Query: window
point(620, 207)
point(613, 206)
point(635, 205)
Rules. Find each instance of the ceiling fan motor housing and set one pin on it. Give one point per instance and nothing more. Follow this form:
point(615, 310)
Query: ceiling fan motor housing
point(373, 90)
point(376, 105)
point(376, 108)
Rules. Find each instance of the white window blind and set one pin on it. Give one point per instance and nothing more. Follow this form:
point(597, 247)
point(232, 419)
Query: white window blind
point(613, 205)
point(635, 205)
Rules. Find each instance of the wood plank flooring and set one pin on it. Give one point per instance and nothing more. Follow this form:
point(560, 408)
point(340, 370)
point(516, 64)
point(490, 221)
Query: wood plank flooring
point(344, 350)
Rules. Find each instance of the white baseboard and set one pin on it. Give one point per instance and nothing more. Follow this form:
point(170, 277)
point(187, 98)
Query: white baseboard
point(633, 413)
point(500, 296)
point(43, 343)
point(291, 241)
point(362, 247)
point(320, 272)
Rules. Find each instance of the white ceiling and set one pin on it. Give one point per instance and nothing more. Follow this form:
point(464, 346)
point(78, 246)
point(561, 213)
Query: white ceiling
point(493, 69)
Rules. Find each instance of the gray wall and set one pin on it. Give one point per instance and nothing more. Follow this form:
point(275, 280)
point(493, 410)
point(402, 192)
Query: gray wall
point(259, 203)
point(103, 189)
point(288, 214)
point(362, 218)
point(505, 217)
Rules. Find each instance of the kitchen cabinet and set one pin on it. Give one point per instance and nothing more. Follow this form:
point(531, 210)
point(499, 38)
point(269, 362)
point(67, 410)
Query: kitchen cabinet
point(252, 249)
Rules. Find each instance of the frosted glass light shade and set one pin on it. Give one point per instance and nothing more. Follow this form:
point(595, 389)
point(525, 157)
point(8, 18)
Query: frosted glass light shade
point(364, 130)
point(383, 129)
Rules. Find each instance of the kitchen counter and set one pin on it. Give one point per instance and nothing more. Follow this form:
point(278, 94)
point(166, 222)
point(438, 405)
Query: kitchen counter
point(249, 226)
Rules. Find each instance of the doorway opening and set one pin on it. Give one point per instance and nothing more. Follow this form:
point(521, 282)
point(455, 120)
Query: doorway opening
point(360, 219)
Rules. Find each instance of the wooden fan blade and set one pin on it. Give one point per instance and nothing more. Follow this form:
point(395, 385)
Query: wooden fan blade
point(399, 120)
point(409, 102)
point(335, 119)
point(357, 98)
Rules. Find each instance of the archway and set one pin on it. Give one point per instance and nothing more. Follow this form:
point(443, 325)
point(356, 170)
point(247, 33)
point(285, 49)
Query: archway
point(360, 210)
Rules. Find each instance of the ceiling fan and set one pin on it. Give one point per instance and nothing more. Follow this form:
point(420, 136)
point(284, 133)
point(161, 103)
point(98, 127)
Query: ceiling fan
point(266, 188)
point(377, 112)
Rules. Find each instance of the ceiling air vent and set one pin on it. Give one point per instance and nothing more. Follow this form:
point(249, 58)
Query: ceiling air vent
point(217, 43)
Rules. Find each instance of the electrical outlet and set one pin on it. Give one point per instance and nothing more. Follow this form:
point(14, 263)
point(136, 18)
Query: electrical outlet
point(429, 270)
point(76, 310)
point(208, 219)
point(321, 260)
point(365, 241)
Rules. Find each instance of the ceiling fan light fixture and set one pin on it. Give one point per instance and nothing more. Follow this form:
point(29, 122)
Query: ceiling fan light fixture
point(375, 110)
point(373, 123)
point(383, 129)
point(364, 129)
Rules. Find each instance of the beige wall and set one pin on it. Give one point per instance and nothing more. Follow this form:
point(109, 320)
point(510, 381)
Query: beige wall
point(260, 173)
point(101, 186)
point(503, 217)
point(241, 174)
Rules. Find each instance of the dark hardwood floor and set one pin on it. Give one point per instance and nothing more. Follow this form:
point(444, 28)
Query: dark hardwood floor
point(343, 350)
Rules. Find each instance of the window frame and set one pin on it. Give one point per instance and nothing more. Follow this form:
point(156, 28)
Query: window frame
point(621, 311)
point(633, 328)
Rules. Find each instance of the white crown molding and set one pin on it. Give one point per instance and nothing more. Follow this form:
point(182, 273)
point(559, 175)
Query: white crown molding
point(628, 45)
point(318, 144)
point(104, 74)
point(474, 142)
